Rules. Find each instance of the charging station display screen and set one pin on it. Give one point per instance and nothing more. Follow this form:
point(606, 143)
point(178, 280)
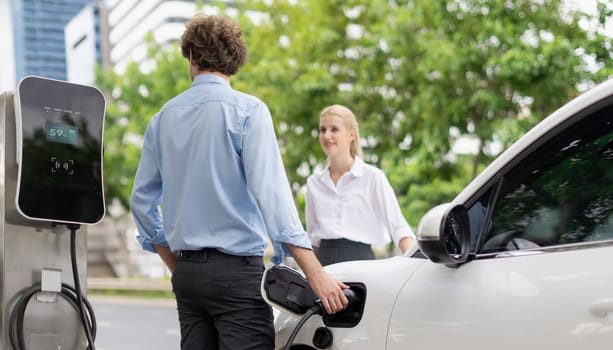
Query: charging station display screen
point(60, 162)
point(63, 133)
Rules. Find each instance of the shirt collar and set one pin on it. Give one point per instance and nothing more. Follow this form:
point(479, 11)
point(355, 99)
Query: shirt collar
point(209, 78)
point(357, 168)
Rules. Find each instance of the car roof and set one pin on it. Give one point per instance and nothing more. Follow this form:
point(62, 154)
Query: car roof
point(567, 112)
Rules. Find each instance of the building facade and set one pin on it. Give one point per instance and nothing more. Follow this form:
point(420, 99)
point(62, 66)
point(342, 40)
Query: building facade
point(86, 42)
point(131, 21)
point(38, 36)
point(7, 69)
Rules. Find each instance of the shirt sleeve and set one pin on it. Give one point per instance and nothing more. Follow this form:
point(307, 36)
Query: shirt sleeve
point(389, 211)
point(268, 183)
point(311, 217)
point(146, 197)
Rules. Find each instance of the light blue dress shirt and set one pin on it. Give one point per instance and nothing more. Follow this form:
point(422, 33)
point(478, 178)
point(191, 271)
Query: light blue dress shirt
point(211, 175)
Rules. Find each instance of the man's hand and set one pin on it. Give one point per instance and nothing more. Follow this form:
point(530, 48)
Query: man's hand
point(168, 257)
point(329, 290)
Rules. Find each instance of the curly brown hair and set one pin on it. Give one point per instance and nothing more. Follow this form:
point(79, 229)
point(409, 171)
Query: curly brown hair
point(215, 43)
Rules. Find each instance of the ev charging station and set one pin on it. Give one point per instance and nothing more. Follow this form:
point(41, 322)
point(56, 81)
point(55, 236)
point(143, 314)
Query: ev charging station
point(51, 185)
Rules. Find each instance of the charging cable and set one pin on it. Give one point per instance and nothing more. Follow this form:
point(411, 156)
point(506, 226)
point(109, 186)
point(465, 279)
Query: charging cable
point(90, 332)
point(318, 309)
point(16, 335)
point(74, 297)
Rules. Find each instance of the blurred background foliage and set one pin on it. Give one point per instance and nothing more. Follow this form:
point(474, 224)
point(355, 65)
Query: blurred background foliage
point(424, 77)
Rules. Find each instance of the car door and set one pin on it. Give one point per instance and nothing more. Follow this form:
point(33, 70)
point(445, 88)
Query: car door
point(541, 269)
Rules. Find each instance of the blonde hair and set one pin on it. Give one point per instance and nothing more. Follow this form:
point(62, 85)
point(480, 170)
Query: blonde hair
point(351, 121)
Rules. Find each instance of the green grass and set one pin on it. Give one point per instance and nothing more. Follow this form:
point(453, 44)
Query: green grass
point(146, 294)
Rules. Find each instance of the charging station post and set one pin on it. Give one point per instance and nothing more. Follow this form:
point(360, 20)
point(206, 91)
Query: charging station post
point(50, 184)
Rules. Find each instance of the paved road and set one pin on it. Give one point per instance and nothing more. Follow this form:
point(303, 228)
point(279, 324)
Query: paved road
point(129, 323)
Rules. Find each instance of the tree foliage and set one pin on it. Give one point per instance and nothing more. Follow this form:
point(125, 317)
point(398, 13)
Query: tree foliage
point(418, 74)
point(134, 97)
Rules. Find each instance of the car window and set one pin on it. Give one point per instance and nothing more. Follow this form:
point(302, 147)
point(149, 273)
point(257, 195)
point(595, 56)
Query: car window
point(561, 193)
point(478, 217)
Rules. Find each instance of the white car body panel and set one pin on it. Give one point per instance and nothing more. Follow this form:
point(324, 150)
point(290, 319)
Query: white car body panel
point(492, 302)
point(383, 289)
point(464, 303)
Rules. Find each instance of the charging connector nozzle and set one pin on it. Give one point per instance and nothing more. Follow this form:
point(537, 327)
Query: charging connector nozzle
point(318, 307)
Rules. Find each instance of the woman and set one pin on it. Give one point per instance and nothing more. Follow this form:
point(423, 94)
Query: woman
point(350, 205)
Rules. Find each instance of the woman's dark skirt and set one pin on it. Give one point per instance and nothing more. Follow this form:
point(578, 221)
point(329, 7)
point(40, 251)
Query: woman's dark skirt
point(332, 251)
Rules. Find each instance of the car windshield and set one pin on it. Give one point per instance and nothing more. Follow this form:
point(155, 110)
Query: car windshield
point(561, 193)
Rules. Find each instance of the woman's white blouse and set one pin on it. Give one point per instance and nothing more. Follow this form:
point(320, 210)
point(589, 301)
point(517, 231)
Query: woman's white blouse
point(361, 207)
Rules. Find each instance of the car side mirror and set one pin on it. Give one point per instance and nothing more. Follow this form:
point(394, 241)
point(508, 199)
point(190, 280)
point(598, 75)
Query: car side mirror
point(443, 234)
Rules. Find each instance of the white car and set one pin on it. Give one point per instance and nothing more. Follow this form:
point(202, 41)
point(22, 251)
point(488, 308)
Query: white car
point(521, 259)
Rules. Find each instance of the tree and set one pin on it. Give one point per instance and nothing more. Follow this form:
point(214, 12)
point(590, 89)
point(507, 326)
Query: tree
point(418, 74)
point(134, 97)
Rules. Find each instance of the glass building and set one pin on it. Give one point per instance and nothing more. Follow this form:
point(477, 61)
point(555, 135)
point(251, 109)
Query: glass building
point(38, 35)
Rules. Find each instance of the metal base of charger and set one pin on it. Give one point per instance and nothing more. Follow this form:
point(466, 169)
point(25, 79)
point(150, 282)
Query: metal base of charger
point(34, 252)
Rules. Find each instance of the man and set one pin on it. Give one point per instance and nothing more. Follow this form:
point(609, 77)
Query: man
point(211, 160)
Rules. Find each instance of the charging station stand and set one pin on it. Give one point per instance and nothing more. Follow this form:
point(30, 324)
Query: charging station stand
point(35, 252)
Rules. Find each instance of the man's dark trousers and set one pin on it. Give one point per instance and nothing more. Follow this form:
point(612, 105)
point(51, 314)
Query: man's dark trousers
point(219, 302)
